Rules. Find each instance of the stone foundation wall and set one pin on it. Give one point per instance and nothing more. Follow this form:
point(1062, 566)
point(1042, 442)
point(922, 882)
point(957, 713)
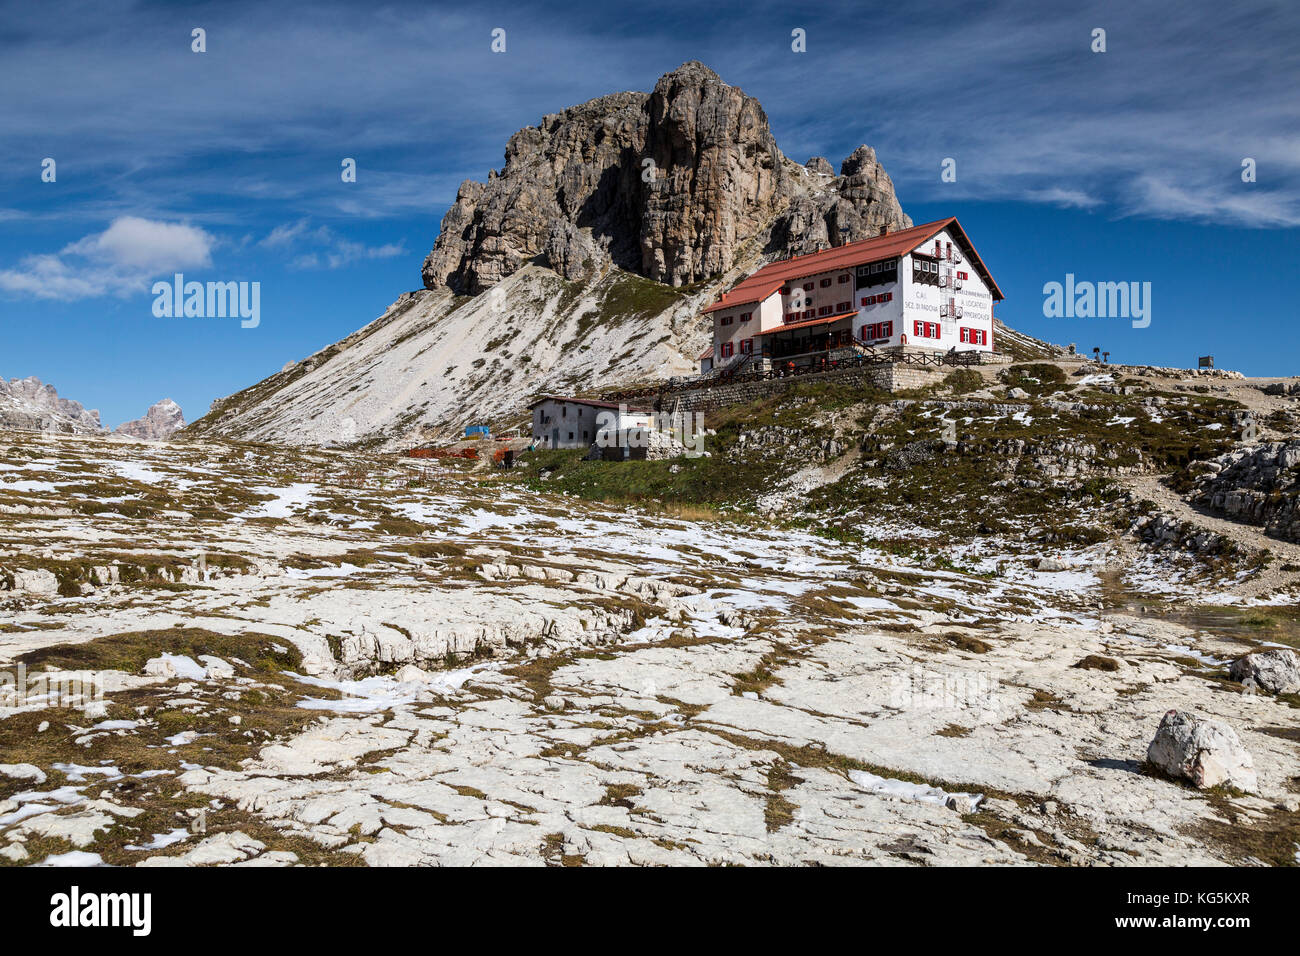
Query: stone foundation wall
point(892, 378)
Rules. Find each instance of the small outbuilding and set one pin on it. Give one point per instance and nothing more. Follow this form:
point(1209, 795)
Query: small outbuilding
point(563, 422)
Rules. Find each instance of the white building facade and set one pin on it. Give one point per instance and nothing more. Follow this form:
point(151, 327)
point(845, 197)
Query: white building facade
point(921, 287)
point(562, 422)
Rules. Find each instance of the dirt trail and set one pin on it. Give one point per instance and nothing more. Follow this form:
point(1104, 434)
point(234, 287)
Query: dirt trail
point(1247, 536)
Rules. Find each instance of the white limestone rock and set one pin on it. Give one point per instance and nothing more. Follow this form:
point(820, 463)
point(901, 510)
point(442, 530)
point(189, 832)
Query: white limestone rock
point(1274, 671)
point(1204, 752)
point(36, 581)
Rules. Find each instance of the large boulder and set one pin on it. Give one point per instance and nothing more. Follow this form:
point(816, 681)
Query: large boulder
point(1274, 671)
point(36, 581)
point(1204, 752)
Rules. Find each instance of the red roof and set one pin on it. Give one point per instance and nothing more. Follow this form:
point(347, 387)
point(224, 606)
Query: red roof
point(707, 353)
point(806, 324)
point(761, 284)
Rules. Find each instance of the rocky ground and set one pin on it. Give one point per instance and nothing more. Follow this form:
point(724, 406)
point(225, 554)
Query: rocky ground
point(327, 658)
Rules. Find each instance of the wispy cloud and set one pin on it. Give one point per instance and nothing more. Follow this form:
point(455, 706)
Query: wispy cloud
point(320, 247)
point(252, 131)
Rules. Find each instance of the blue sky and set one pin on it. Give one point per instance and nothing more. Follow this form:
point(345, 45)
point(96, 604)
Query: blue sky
point(1115, 166)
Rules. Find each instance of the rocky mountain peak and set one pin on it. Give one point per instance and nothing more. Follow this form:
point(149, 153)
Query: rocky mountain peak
point(30, 404)
point(674, 185)
point(161, 421)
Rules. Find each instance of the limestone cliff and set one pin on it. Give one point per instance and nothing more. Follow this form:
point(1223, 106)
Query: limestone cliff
point(673, 185)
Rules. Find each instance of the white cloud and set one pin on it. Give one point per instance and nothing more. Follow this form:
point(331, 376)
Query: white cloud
point(147, 245)
point(119, 261)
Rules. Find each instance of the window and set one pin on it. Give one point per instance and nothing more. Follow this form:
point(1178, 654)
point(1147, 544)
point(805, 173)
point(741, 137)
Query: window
point(564, 412)
point(785, 290)
point(808, 287)
point(826, 310)
point(746, 316)
point(938, 253)
point(844, 307)
point(728, 349)
point(746, 346)
point(825, 282)
point(868, 300)
point(728, 319)
point(844, 278)
point(949, 245)
point(570, 436)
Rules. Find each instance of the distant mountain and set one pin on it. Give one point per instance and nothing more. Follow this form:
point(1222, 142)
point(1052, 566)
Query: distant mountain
point(30, 404)
point(161, 421)
point(583, 262)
